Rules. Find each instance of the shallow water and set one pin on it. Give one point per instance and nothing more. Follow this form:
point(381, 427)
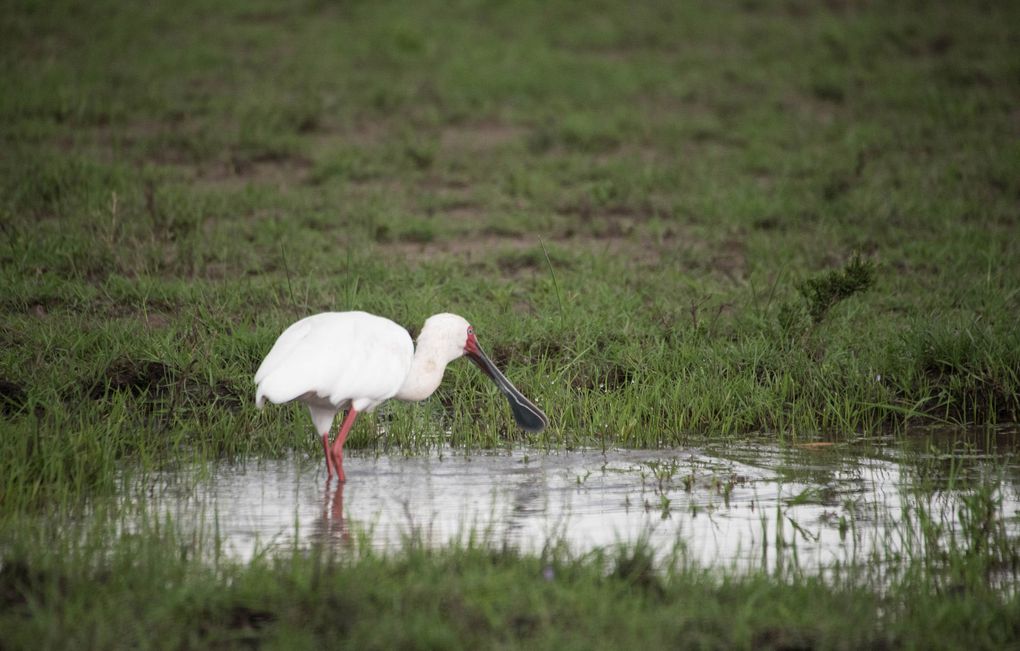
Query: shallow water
point(734, 504)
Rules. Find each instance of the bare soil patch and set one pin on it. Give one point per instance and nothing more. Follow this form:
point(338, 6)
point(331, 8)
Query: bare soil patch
point(516, 255)
point(480, 137)
point(276, 170)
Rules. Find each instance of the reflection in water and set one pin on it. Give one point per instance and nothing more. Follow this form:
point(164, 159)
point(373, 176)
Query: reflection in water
point(723, 504)
point(331, 527)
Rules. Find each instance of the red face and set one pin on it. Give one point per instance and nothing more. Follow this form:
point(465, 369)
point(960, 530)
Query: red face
point(527, 415)
point(471, 345)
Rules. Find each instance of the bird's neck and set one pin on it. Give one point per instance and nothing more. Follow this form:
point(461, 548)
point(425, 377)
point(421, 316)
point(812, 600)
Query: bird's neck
point(426, 373)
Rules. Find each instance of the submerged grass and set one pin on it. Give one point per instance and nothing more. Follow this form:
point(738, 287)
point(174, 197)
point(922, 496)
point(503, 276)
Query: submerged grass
point(65, 585)
point(941, 572)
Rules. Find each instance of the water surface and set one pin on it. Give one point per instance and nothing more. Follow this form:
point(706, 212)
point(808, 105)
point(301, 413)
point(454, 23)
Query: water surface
point(728, 503)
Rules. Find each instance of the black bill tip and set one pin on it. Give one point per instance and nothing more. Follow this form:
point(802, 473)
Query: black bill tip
point(527, 415)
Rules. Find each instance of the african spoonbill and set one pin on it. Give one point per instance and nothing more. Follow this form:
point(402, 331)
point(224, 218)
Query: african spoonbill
point(356, 361)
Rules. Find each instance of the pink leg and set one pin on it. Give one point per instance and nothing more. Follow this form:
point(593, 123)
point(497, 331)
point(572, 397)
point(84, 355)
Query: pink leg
point(329, 458)
point(338, 444)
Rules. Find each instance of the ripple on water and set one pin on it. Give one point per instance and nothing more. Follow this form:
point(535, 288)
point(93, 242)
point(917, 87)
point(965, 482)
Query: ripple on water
point(729, 504)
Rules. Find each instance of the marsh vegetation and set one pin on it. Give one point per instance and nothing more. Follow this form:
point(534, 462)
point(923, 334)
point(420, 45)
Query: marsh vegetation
point(670, 223)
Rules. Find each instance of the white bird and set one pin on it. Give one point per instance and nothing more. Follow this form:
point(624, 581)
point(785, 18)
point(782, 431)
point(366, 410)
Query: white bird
point(357, 361)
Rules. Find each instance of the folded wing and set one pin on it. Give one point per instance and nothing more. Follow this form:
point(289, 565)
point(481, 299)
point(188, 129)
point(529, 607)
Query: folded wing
point(338, 357)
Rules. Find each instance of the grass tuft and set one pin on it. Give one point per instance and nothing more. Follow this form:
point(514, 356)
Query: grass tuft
point(823, 292)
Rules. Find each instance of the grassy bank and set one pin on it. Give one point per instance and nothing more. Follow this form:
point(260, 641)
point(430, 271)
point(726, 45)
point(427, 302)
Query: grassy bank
point(630, 205)
point(457, 599)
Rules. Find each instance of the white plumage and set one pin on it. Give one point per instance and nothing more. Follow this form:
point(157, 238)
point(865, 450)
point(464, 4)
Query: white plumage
point(346, 358)
point(357, 361)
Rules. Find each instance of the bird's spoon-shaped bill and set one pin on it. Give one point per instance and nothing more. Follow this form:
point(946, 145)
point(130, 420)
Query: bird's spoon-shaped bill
point(528, 416)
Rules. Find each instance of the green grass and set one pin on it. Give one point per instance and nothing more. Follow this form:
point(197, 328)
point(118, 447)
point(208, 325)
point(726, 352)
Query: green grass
point(655, 216)
point(646, 191)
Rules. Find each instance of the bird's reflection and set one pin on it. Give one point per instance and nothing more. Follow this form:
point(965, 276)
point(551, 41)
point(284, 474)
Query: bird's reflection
point(332, 527)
